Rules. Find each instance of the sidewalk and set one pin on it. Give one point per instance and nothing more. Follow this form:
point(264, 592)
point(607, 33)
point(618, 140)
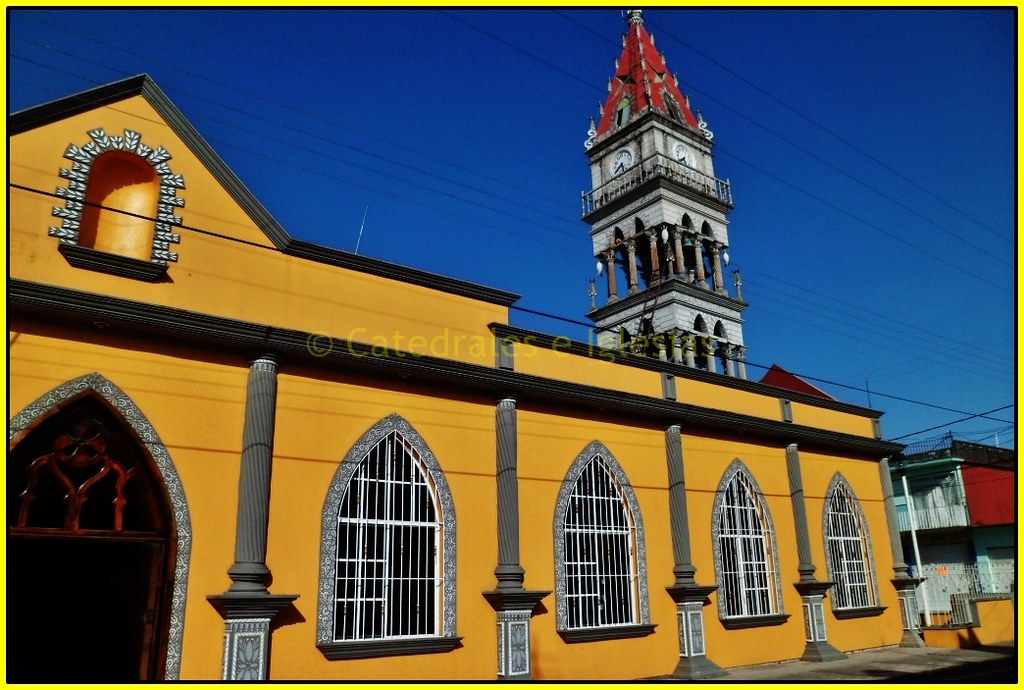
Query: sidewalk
point(993, 664)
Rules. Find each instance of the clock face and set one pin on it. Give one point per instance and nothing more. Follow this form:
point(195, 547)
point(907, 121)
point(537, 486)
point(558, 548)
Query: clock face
point(683, 155)
point(622, 161)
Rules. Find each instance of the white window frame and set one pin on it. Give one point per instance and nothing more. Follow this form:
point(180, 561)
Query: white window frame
point(746, 550)
point(591, 527)
point(848, 552)
point(349, 580)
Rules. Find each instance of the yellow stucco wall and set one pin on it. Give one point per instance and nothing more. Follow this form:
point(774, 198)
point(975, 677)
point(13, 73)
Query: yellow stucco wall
point(557, 363)
point(601, 369)
point(822, 418)
point(742, 402)
point(197, 407)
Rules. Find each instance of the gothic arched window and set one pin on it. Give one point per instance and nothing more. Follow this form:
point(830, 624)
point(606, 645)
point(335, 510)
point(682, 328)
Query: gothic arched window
point(848, 550)
point(746, 557)
point(388, 550)
point(600, 561)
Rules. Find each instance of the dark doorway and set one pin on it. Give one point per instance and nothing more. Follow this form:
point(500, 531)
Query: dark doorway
point(88, 551)
point(78, 610)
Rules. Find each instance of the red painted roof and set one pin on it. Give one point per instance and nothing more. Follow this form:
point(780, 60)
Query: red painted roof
point(777, 376)
point(643, 77)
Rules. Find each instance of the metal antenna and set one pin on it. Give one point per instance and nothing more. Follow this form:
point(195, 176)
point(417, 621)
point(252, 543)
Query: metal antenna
point(361, 225)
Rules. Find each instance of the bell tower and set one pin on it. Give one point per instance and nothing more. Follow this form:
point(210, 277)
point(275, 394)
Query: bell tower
point(657, 217)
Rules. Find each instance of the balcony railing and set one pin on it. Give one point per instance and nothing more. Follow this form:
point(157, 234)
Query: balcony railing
point(651, 167)
point(938, 517)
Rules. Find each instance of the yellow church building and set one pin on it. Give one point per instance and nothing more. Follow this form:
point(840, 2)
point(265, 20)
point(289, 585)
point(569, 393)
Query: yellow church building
point(234, 454)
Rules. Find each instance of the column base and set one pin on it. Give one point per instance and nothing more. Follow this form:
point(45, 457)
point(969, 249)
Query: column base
point(247, 631)
point(905, 587)
point(697, 668)
point(821, 651)
point(812, 594)
point(693, 661)
point(515, 608)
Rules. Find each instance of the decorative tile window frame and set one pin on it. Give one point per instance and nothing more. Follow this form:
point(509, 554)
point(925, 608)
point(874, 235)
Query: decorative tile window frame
point(82, 158)
point(862, 611)
point(121, 404)
point(776, 618)
point(447, 640)
point(643, 627)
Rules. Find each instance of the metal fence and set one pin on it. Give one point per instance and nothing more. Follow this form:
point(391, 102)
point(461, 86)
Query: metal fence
point(947, 595)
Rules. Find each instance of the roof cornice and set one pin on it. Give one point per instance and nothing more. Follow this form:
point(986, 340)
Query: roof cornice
point(168, 324)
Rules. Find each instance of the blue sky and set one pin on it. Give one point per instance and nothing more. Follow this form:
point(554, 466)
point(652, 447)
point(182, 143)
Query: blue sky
point(871, 155)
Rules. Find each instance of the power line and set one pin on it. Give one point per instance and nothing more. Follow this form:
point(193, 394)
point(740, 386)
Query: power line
point(813, 155)
point(957, 421)
point(305, 113)
point(478, 223)
point(336, 143)
point(836, 136)
point(876, 337)
point(513, 307)
point(534, 57)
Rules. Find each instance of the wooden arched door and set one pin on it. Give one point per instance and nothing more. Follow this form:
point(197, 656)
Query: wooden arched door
point(90, 551)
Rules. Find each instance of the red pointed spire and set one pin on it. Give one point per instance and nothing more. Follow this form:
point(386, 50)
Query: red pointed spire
point(642, 82)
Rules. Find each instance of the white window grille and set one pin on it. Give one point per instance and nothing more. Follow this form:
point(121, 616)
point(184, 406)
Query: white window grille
point(746, 560)
point(601, 580)
point(389, 536)
point(848, 551)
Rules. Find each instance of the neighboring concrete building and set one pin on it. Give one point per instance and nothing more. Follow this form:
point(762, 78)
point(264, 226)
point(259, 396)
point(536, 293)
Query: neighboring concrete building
point(220, 434)
point(956, 503)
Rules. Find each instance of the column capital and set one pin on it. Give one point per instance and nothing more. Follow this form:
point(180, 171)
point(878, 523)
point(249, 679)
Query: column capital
point(265, 361)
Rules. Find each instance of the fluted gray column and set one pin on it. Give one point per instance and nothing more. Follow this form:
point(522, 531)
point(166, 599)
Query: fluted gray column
point(247, 607)
point(806, 567)
point(905, 585)
point(509, 572)
point(690, 597)
point(250, 573)
point(513, 603)
point(812, 591)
